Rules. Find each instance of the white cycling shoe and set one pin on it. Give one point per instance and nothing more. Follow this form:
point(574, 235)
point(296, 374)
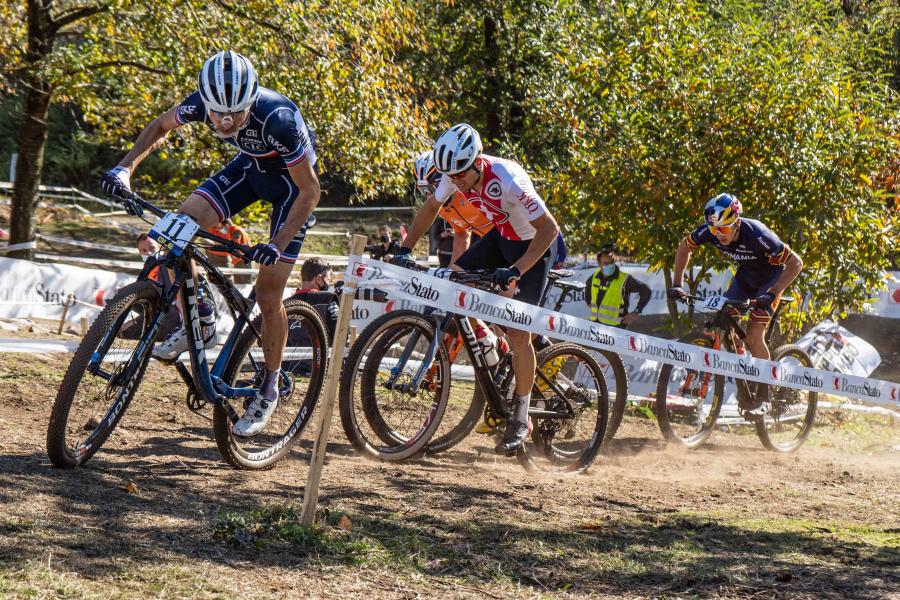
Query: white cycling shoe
point(176, 343)
point(256, 416)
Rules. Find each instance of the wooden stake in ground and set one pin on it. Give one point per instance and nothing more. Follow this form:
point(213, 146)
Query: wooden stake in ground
point(329, 393)
point(62, 321)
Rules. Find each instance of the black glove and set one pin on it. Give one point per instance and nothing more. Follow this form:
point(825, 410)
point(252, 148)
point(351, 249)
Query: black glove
point(265, 254)
point(402, 258)
point(116, 182)
point(764, 301)
point(503, 276)
point(133, 208)
point(676, 292)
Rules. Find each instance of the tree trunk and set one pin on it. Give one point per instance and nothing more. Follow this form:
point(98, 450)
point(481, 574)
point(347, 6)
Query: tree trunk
point(32, 129)
point(492, 82)
point(670, 303)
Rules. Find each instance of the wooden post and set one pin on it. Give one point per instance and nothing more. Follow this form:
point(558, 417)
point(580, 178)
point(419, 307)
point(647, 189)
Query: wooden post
point(329, 393)
point(62, 320)
point(353, 334)
point(84, 326)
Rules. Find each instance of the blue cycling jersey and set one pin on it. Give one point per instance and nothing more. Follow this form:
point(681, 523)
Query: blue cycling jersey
point(274, 137)
point(755, 248)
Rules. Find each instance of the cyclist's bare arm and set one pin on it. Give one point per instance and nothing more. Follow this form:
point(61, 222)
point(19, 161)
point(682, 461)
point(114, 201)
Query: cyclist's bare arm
point(546, 233)
point(792, 268)
point(682, 258)
point(461, 241)
point(305, 177)
point(150, 138)
point(424, 218)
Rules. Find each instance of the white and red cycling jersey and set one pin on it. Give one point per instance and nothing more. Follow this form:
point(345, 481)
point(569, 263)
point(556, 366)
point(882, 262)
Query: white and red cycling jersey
point(507, 197)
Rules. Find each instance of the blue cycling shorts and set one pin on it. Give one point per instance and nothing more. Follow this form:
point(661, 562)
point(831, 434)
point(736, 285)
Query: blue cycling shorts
point(241, 183)
point(747, 284)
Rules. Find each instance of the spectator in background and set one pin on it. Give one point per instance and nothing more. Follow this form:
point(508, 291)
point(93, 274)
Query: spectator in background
point(442, 232)
point(315, 288)
point(386, 248)
point(147, 247)
point(227, 229)
point(608, 289)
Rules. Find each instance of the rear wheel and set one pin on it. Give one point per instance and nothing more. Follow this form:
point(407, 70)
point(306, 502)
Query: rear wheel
point(792, 412)
point(688, 401)
point(93, 398)
point(381, 415)
point(569, 411)
point(302, 377)
point(614, 370)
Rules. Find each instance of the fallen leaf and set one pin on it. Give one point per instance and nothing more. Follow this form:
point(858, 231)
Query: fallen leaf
point(345, 523)
point(132, 489)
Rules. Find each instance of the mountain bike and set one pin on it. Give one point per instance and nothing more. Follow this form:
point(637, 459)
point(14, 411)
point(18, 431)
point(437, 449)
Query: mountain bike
point(399, 372)
point(109, 364)
point(688, 401)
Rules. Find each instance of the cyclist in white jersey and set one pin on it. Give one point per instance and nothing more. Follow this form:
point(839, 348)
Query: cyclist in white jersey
point(520, 248)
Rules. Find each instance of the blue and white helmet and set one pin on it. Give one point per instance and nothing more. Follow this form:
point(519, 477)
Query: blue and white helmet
point(456, 149)
point(723, 210)
point(228, 82)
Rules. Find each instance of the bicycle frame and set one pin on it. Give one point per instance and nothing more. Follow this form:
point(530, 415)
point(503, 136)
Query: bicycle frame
point(205, 382)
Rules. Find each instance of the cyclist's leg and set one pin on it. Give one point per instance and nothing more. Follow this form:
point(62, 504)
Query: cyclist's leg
point(760, 317)
point(217, 198)
point(529, 289)
point(483, 254)
point(270, 286)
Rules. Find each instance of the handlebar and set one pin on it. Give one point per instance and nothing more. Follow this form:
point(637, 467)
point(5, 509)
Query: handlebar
point(222, 244)
point(480, 278)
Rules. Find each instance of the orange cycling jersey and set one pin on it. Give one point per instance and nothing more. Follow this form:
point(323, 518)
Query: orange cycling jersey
point(231, 232)
point(464, 216)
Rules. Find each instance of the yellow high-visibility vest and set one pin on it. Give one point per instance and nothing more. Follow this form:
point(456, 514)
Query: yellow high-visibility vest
point(607, 310)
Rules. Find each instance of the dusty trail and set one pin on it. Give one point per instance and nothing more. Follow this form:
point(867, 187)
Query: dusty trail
point(729, 520)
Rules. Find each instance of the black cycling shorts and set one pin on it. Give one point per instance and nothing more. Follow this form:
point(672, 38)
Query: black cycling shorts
point(493, 251)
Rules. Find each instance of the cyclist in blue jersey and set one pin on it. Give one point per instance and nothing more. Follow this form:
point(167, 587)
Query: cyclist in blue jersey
point(766, 267)
point(275, 163)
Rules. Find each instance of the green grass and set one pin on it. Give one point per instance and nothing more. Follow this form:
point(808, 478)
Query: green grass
point(666, 550)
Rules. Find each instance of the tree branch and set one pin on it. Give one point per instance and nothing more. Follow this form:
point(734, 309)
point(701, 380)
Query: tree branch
point(120, 63)
point(236, 11)
point(67, 18)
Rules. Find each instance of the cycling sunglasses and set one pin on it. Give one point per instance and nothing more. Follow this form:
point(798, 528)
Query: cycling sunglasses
point(723, 229)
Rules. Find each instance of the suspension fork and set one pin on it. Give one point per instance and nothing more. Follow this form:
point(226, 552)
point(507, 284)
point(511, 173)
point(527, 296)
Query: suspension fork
point(707, 377)
point(413, 386)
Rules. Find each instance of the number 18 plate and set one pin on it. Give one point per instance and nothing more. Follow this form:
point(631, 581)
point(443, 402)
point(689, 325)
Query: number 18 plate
point(175, 231)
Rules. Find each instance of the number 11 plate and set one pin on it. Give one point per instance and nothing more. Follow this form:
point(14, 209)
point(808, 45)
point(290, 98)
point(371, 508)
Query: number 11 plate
point(175, 231)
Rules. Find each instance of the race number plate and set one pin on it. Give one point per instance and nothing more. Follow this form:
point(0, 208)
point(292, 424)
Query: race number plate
point(714, 303)
point(174, 231)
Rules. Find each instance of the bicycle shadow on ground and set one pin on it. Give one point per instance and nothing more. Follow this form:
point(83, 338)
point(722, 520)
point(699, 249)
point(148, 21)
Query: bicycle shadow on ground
point(409, 522)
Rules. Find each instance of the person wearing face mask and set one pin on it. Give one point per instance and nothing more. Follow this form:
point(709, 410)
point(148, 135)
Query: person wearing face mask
point(386, 247)
point(315, 288)
point(608, 289)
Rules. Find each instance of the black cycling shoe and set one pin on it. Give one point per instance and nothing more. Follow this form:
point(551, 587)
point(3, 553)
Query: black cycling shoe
point(513, 438)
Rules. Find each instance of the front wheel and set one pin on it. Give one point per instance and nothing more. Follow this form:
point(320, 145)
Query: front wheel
point(688, 401)
point(789, 420)
point(569, 411)
point(302, 376)
point(103, 376)
point(382, 415)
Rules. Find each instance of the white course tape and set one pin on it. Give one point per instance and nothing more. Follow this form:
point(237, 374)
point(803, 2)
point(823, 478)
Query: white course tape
point(453, 297)
point(23, 246)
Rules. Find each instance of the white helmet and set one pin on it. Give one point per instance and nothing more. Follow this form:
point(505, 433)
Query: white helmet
point(427, 176)
point(456, 149)
point(228, 82)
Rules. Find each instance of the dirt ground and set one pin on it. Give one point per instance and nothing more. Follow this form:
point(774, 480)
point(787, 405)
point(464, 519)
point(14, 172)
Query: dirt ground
point(157, 514)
